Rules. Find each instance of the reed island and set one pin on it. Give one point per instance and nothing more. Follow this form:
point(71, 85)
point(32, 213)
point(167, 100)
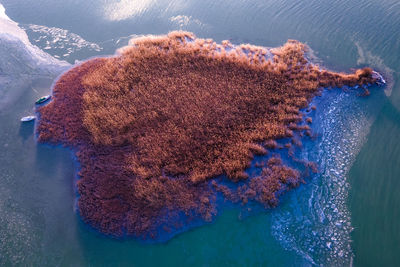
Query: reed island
point(156, 126)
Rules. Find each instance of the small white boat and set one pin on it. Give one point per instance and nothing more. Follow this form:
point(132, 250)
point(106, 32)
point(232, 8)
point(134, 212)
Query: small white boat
point(379, 77)
point(28, 118)
point(42, 99)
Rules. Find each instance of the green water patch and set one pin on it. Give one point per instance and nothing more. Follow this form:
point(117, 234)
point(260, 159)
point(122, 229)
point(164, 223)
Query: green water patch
point(229, 241)
point(374, 198)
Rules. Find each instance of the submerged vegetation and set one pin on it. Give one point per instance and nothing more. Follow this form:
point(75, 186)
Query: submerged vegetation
point(154, 125)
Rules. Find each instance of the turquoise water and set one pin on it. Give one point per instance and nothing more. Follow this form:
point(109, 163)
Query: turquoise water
point(347, 214)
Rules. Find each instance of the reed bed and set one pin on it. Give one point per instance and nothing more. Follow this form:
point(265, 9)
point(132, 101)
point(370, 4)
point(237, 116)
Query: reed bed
point(154, 125)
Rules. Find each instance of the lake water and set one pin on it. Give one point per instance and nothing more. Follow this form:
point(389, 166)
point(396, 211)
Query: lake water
point(348, 214)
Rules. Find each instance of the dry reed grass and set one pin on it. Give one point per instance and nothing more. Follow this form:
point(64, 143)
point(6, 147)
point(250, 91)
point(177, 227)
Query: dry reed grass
point(153, 124)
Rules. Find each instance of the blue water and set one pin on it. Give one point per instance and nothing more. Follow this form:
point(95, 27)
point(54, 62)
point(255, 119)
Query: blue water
point(347, 214)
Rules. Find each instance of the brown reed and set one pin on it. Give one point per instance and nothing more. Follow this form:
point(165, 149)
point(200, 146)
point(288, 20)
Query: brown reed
point(153, 124)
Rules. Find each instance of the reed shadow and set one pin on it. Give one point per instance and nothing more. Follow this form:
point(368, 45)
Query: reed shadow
point(26, 130)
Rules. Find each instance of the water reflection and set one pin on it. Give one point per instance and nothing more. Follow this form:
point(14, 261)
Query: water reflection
point(125, 9)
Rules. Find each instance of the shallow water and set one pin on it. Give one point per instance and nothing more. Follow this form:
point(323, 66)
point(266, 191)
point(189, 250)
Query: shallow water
point(347, 214)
